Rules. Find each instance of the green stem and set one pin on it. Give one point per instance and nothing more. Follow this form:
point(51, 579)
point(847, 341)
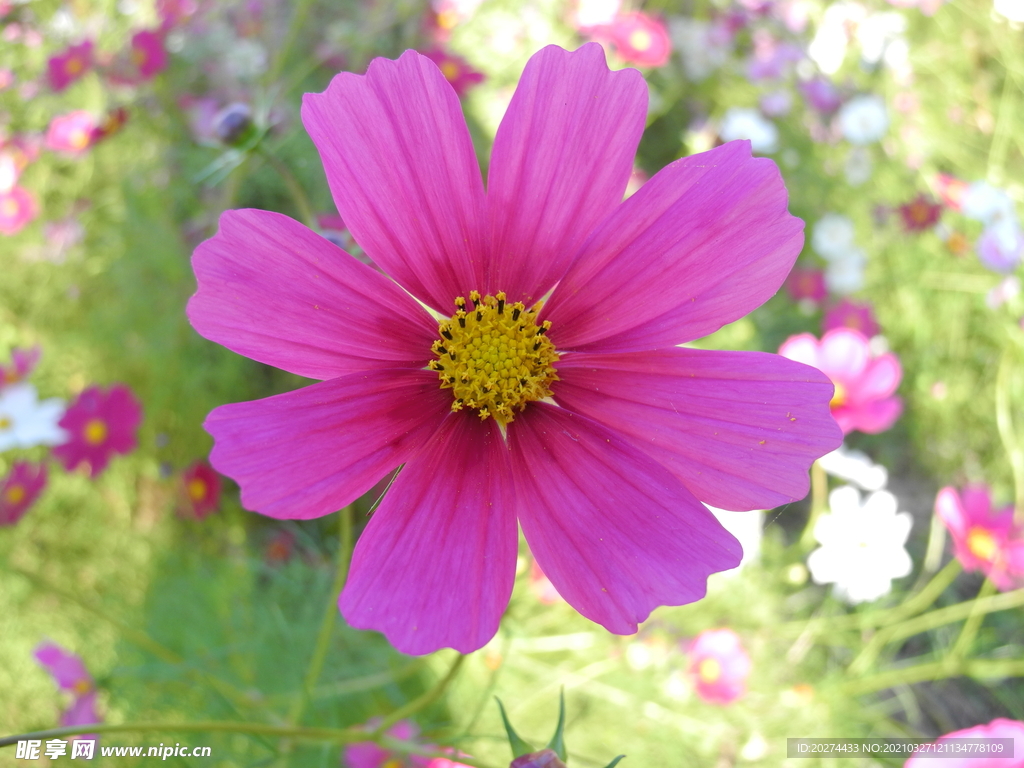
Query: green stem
point(421, 702)
point(819, 503)
point(295, 189)
point(323, 640)
point(937, 670)
point(973, 623)
point(298, 20)
point(1001, 134)
point(1007, 433)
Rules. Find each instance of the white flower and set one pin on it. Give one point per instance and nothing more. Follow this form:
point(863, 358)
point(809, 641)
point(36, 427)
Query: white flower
point(832, 238)
point(698, 45)
point(245, 59)
point(877, 32)
point(863, 119)
point(747, 527)
point(858, 166)
point(987, 204)
point(594, 13)
point(828, 48)
point(742, 123)
point(861, 545)
point(1011, 9)
point(25, 422)
point(855, 467)
point(1007, 290)
point(845, 275)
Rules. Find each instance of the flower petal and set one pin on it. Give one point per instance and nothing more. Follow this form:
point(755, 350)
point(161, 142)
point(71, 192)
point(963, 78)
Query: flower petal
point(739, 429)
point(403, 174)
point(879, 379)
point(560, 164)
point(435, 566)
point(310, 452)
point(870, 418)
point(615, 532)
point(844, 354)
point(704, 242)
point(275, 291)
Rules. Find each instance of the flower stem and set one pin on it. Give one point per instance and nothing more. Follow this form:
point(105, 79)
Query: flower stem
point(973, 623)
point(422, 701)
point(1007, 433)
point(819, 503)
point(295, 189)
point(323, 640)
point(937, 670)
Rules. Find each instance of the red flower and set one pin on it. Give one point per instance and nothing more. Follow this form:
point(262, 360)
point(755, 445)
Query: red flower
point(101, 423)
point(202, 486)
point(19, 490)
point(920, 214)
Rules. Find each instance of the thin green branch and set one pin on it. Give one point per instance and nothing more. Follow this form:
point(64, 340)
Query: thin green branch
point(422, 701)
point(1007, 432)
point(819, 503)
point(970, 630)
point(981, 669)
point(295, 189)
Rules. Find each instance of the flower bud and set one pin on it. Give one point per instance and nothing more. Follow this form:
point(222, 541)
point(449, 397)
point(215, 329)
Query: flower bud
point(233, 124)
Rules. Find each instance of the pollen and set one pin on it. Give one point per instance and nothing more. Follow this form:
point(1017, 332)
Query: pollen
point(709, 670)
point(95, 431)
point(494, 356)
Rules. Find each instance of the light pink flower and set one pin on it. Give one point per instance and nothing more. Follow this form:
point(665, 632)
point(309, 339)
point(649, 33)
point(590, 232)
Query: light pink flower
point(864, 383)
point(542, 587)
point(639, 38)
point(606, 479)
point(202, 488)
point(804, 283)
point(70, 65)
point(456, 70)
point(174, 12)
point(101, 423)
point(18, 208)
point(851, 314)
point(1000, 728)
point(148, 53)
point(72, 133)
point(23, 362)
point(719, 665)
point(19, 490)
point(984, 539)
point(67, 668)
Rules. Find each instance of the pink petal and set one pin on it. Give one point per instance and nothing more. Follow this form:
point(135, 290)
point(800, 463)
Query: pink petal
point(951, 512)
point(879, 380)
point(435, 566)
point(876, 416)
point(704, 242)
point(310, 452)
point(403, 174)
point(274, 291)
point(615, 532)
point(739, 429)
point(803, 348)
point(560, 164)
point(843, 354)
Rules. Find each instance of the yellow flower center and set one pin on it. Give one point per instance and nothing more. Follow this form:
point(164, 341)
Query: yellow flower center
point(15, 494)
point(5, 422)
point(196, 489)
point(981, 544)
point(82, 687)
point(640, 40)
point(450, 70)
point(95, 432)
point(394, 762)
point(138, 57)
point(839, 398)
point(709, 670)
point(494, 357)
point(9, 208)
point(74, 66)
point(79, 138)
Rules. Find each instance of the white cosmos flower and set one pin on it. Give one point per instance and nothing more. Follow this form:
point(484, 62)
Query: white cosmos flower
point(832, 238)
point(861, 545)
point(987, 204)
point(1011, 9)
point(747, 527)
point(863, 119)
point(25, 422)
point(845, 275)
point(699, 46)
point(743, 123)
point(855, 467)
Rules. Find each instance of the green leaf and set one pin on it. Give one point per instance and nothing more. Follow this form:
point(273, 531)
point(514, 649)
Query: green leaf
point(614, 762)
point(519, 747)
point(557, 743)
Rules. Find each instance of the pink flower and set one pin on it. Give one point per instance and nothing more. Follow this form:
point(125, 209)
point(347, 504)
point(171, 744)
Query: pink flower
point(821, 95)
point(719, 666)
point(1000, 728)
point(101, 423)
point(68, 670)
point(456, 70)
point(23, 362)
point(542, 587)
point(805, 283)
point(864, 383)
point(851, 314)
point(984, 539)
point(640, 39)
point(202, 487)
point(148, 53)
point(920, 214)
point(607, 479)
point(18, 207)
point(19, 490)
point(367, 754)
point(71, 133)
point(174, 12)
point(951, 190)
point(70, 65)
point(772, 59)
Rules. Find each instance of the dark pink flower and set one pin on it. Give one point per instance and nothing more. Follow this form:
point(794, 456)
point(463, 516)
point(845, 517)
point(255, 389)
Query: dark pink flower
point(719, 665)
point(984, 539)
point(19, 490)
point(804, 283)
point(202, 487)
point(1000, 728)
point(148, 53)
point(367, 754)
point(23, 362)
point(18, 208)
point(101, 423)
point(920, 214)
point(112, 123)
point(67, 67)
point(607, 477)
point(851, 314)
point(864, 383)
point(68, 669)
point(456, 70)
point(72, 133)
point(639, 38)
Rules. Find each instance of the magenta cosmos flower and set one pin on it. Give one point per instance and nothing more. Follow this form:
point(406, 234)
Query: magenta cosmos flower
point(719, 665)
point(67, 67)
point(1000, 728)
point(581, 418)
point(19, 490)
point(806, 284)
point(202, 488)
point(72, 133)
point(865, 383)
point(23, 362)
point(456, 70)
point(984, 539)
point(148, 53)
point(367, 754)
point(68, 670)
point(18, 207)
point(848, 313)
point(100, 423)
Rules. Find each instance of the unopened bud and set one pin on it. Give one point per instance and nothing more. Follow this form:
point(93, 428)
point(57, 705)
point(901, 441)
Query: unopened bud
point(546, 758)
point(233, 124)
